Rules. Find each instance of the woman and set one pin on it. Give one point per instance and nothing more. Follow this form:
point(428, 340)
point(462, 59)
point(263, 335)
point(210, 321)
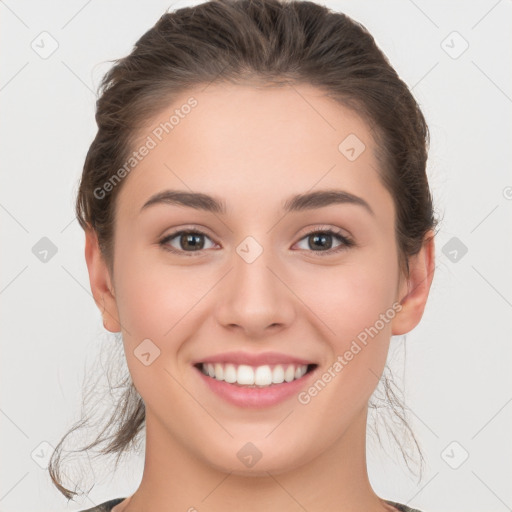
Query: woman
point(258, 225)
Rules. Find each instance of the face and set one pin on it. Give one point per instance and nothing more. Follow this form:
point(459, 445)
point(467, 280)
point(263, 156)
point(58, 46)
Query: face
point(266, 284)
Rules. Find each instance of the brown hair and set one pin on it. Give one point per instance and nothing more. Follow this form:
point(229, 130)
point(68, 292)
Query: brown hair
point(274, 42)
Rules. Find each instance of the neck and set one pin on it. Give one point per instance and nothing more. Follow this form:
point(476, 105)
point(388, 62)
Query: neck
point(174, 479)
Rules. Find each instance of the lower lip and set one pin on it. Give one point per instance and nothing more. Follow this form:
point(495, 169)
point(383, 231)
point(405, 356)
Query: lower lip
point(243, 396)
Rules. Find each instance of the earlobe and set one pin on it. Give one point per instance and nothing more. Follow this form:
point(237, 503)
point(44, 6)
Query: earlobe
point(413, 294)
point(100, 281)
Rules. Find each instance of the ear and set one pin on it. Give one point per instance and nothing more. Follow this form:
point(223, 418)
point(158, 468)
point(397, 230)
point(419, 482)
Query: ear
point(100, 280)
point(413, 291)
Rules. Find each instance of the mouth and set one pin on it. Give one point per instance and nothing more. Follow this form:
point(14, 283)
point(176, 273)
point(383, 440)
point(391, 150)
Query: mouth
point(248, 376)
point(254, 380)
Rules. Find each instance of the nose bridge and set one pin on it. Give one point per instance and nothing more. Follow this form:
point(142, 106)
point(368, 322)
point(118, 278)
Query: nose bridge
point(255, 297)
point(252, 263)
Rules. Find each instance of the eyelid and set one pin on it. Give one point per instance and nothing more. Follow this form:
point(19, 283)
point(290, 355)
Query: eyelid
point(347, 241)
point(162, 241)
point(186, 227)
point(325, 227)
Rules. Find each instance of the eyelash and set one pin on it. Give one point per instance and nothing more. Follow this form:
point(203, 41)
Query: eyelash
point(346, 241)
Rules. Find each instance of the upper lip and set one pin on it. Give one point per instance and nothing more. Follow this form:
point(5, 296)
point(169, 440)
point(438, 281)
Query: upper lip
point(253, 359)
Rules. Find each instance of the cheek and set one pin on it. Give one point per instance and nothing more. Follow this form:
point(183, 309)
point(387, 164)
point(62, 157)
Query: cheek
point(349, 298)
point(152, 307)
point(353, 307)
point(161, 303)
point(152, 297)
point(358, 346)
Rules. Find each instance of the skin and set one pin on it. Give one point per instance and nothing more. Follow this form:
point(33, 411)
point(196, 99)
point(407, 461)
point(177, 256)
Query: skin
point(253, 147)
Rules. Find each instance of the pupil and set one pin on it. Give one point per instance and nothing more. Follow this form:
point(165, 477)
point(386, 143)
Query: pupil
point(188, 240)
point(322, 240)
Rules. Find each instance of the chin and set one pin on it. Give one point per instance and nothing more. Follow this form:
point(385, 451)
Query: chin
point(250, 461)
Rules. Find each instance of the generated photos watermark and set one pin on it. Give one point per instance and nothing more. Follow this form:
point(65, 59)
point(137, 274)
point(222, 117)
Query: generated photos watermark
point(151, 142)
point(305, 397)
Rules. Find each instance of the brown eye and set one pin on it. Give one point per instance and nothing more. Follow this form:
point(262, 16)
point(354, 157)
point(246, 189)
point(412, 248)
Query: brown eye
point(322, 239)
point(185, 241)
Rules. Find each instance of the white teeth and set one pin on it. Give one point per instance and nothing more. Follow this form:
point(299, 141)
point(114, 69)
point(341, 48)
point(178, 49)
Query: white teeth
point(263, 376)
point(300, 371)
point(246, 375)
point(278, 374)
point(229, 373)
point(289, 374)
point(219, 371)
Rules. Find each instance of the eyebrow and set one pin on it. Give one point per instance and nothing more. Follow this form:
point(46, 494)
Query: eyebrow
point(299, 202)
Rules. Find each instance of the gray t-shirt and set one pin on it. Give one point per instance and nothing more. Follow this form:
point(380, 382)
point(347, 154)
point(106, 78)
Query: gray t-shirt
point(109, 505)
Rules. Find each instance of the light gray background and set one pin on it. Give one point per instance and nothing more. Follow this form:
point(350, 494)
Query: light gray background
point(457, 373)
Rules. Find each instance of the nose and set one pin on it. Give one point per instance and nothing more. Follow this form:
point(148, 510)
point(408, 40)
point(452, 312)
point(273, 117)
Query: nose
point(255, 298)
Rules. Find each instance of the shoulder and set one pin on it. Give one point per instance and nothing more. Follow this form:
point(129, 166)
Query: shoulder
point(107, 506)
point(401, 507)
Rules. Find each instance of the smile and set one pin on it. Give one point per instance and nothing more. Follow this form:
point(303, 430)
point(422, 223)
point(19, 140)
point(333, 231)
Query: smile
point(246, 386)
point(254, 376)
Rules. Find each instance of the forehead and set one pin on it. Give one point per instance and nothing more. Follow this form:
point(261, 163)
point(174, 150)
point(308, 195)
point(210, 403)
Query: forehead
point(247, 141)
